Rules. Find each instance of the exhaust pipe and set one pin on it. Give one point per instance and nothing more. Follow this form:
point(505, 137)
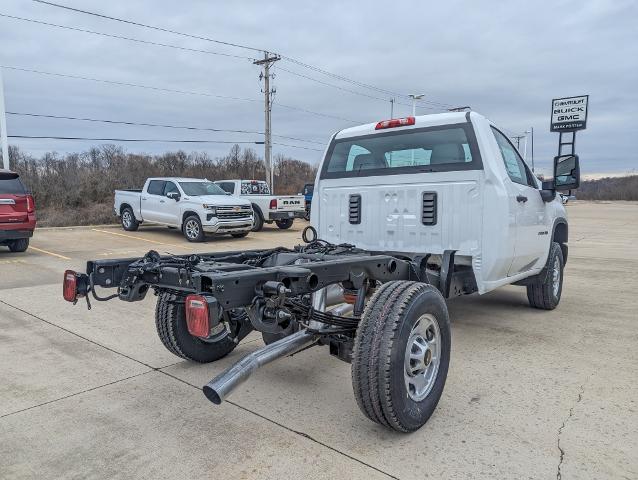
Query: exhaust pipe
point(223, 384)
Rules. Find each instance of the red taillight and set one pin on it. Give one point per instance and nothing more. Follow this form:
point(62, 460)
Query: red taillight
point(30, 204)
point(273, 204)
point(197, 316)
point(69, 286)
point(395, 122)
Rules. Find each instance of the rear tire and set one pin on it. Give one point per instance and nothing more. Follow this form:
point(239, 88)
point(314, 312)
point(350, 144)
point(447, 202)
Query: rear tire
point(545, 291)
point(170, 321)
point(284, 224)
point(192, 229)
point(396, 382)
point(128, 220)
point(19, 245)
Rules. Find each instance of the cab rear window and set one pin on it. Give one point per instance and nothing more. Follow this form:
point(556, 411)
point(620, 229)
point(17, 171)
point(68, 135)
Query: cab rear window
point(254, 188)
point(444, 148)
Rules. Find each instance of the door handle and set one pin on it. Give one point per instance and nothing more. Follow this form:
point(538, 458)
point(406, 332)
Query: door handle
point(521, 198)
point(143, 198)
point(162, 201)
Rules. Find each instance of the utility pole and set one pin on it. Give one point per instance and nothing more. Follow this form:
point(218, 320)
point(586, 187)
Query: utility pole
point(532, 128)
point(3, 127)
point(392, 108)
point(518, 140)
point(267, 62)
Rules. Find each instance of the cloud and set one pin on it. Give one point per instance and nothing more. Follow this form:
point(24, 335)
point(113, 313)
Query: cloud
point(505, 59)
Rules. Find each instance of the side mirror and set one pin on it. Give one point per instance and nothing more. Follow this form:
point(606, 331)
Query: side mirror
point(227, 193)
point(173, 195)
point(566, 172)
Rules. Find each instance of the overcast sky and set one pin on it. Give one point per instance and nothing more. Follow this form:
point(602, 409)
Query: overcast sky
point(507, 60)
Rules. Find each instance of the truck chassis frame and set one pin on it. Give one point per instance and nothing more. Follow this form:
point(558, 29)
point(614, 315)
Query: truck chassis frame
point(284, 293)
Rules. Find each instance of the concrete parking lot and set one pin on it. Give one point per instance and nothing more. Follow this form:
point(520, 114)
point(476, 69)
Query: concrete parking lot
point(530, 394)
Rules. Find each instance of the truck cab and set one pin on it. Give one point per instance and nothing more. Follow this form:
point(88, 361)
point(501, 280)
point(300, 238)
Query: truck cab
point(450, 182)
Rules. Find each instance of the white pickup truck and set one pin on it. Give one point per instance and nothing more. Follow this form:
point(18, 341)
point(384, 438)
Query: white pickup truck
point(407, 214)
point(195, 206)
point(268, 208)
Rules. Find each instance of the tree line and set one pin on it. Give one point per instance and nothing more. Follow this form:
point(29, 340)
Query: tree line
point(77, 188)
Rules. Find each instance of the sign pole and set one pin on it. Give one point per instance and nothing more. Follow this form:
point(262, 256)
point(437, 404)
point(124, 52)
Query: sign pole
point(569, 115)
point(3, 127)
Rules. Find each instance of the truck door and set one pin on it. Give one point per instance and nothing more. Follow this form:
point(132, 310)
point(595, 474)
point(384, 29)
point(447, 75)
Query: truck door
point(169, 208)
point(527, 206)
point(153, 200)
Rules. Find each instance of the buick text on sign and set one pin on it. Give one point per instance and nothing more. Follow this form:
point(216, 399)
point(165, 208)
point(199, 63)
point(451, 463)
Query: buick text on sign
point(569, 114)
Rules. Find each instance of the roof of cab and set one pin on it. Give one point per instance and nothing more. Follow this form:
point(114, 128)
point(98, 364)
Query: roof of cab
point(420, 121)
point(180, 179)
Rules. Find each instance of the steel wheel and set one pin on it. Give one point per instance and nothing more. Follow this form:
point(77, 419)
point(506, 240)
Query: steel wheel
point(422, 357)
point(192, 229)
point(556, 276)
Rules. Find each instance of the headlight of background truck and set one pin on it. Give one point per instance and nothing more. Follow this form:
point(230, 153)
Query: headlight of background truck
point(211, 208)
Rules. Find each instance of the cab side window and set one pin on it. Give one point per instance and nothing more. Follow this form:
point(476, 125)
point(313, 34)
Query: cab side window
point(156, 187)
point(170, 187)
point(516, 168)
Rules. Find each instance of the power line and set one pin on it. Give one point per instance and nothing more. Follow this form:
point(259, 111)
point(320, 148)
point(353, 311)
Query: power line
point(342, 88)
point(297, 146)
point(170, 90)
point(354, 91)
point(237, 45)
point(354, 82)
point(154, 140)
point(290, 107)
point(127, 84)
point(121, 37)
point(145, 124)
point(144, 25)
point(197, 50)
point(157, 140)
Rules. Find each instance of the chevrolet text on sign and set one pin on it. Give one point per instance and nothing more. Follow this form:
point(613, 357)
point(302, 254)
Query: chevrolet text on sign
point(569, 114)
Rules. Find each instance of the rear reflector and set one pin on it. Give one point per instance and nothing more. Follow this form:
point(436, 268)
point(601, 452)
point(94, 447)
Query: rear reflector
point(30, 204)
point(273, 204)
point(395, 122)
point(197, 316)
point(69, 286)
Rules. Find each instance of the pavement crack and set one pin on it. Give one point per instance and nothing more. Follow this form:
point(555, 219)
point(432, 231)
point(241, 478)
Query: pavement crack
point(559, 474)
point(291, 430)
point(74, 394)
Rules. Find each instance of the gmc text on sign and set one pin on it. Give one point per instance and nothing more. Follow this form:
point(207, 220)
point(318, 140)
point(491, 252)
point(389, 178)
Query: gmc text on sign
point(569, 114)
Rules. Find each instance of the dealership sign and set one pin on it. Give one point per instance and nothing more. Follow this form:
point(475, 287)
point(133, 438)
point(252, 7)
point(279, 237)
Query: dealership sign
point(569, 114)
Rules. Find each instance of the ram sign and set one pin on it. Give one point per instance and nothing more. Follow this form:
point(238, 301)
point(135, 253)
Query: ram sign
point(569, 114)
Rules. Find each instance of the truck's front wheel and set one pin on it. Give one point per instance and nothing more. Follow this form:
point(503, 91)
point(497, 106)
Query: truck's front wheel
point(192, 229)
point(170, 320)
point(401, 355)
point(545, 290)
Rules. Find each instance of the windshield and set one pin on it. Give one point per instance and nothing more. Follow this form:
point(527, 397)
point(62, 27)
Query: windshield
point(196, 189)
point(254, 187)
point(444, 148)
